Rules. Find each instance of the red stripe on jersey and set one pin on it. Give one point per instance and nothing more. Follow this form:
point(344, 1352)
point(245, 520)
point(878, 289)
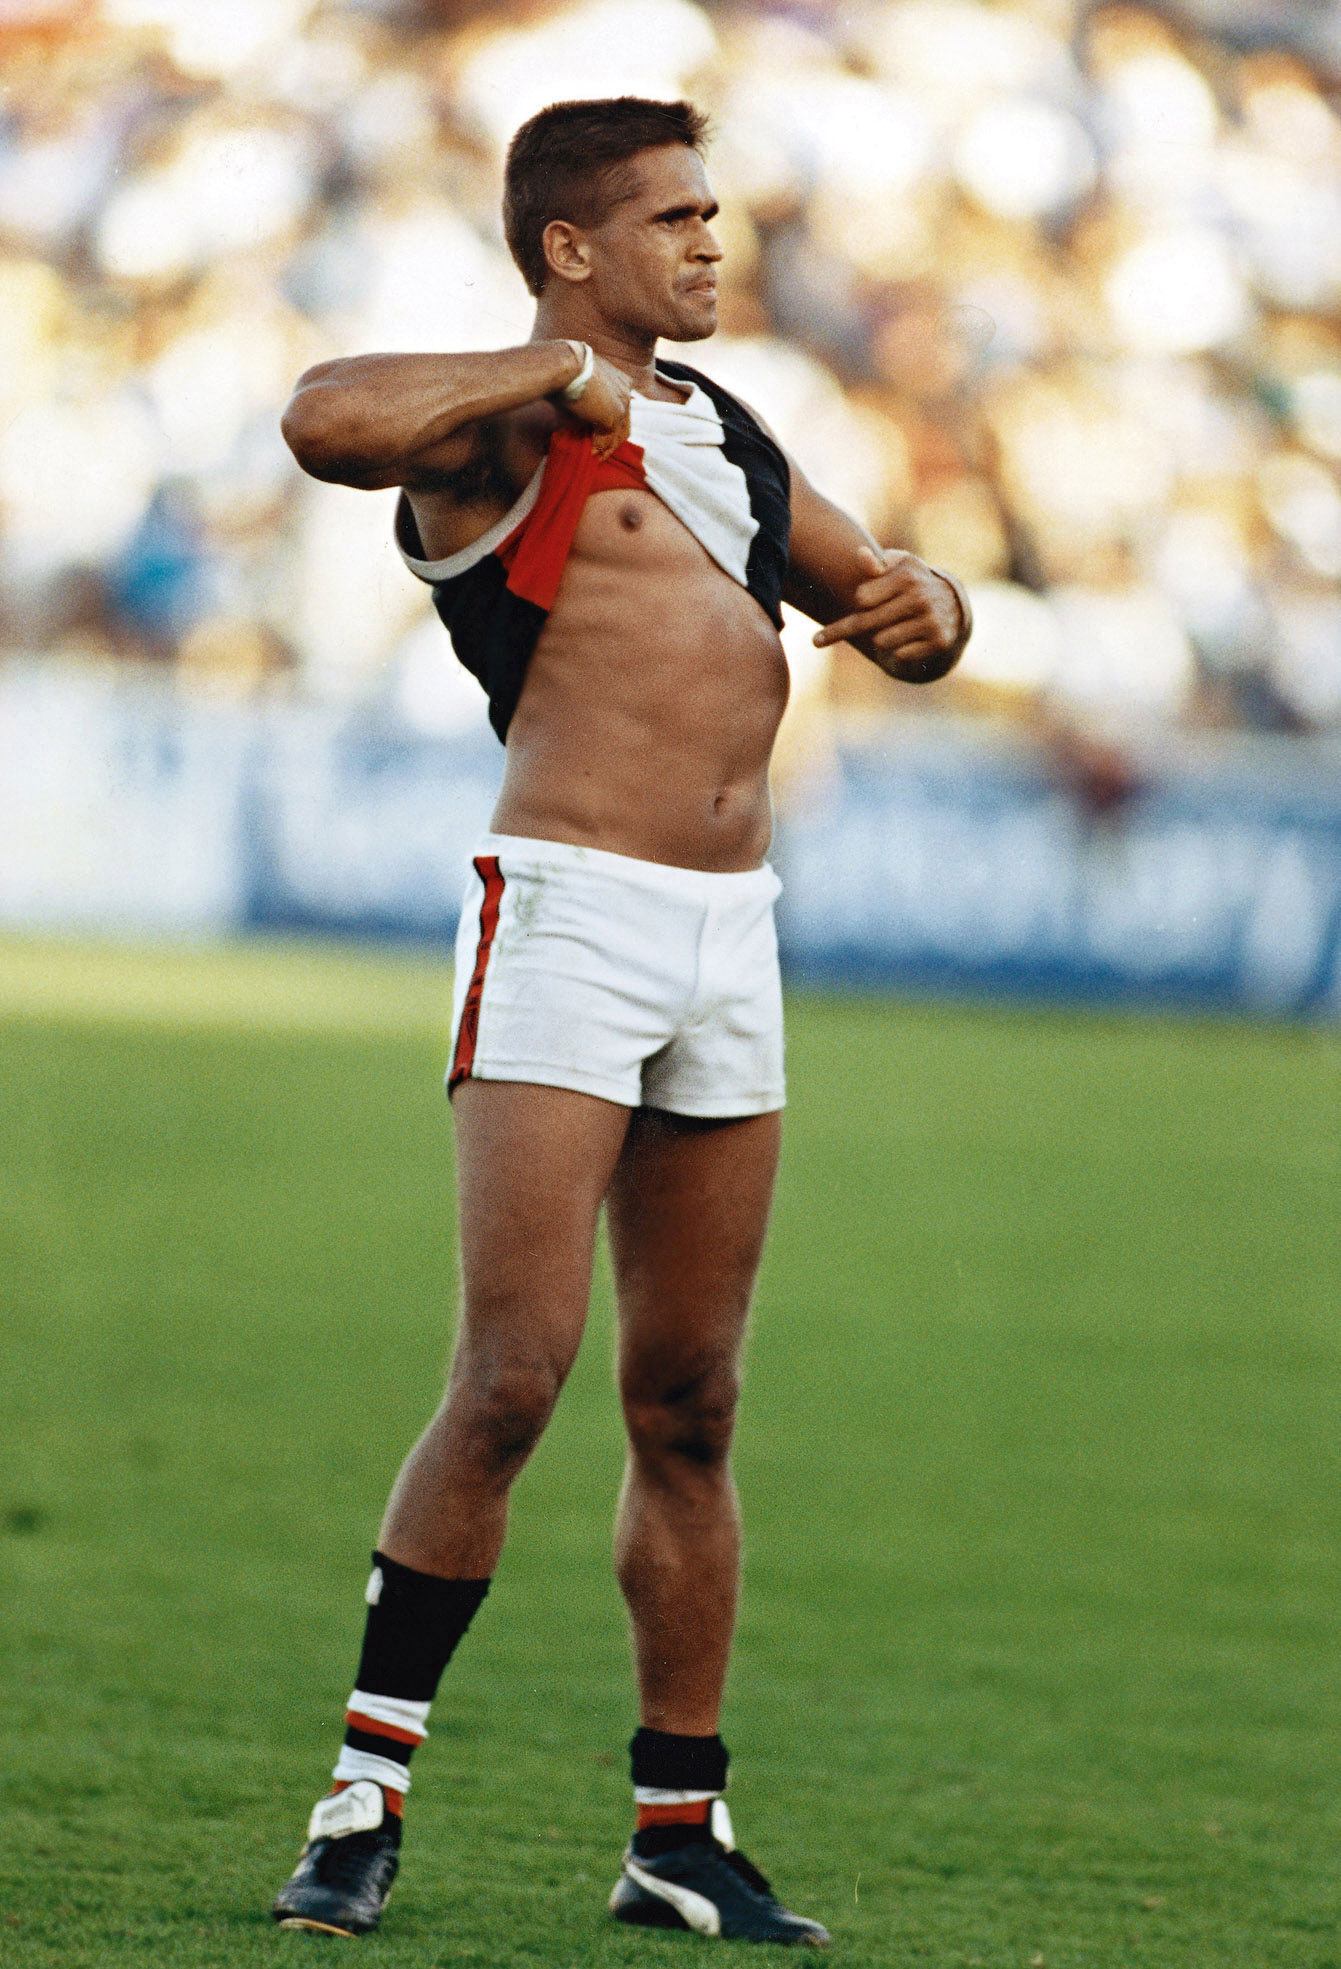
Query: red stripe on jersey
point(536, 552)
point(489, 872)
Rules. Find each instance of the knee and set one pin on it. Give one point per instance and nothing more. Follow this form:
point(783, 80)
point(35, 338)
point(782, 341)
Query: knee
point(682, 1426)
point(504, 1405)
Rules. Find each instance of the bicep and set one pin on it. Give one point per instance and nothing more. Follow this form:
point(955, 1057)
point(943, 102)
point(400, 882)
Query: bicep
point(451, 463)
point(822, 566)
point(823, 569)
point(469, 466)
point(432, 469)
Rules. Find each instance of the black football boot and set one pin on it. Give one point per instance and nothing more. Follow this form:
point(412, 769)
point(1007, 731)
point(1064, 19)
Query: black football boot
point(704, 1884)
point(341, 1882)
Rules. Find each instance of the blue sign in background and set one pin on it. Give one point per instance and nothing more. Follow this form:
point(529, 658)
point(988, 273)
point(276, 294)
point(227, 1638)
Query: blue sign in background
point(936, 856)
point(942, 862)
point(356, 826)
point(954, 866)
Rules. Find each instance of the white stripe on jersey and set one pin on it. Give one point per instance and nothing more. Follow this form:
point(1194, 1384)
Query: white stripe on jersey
point(689, 472)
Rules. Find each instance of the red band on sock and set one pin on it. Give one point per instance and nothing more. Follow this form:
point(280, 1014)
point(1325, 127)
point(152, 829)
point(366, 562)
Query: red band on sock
point(696, 1814)
point(373, 1727)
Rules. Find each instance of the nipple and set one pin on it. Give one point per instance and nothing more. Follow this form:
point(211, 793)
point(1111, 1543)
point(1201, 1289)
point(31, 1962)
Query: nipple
point(631, 516)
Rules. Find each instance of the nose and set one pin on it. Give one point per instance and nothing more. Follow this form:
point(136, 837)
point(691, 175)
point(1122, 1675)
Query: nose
point(706, 247)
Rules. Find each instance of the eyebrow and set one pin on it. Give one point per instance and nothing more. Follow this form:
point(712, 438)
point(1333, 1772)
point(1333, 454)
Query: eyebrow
point(689, 212)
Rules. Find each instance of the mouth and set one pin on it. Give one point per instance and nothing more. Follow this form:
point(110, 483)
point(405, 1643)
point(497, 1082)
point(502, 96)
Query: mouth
point(707, 288)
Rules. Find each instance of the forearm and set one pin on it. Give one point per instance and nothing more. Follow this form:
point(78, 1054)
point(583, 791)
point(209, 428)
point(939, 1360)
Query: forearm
point(375, 419)
point(911, 619)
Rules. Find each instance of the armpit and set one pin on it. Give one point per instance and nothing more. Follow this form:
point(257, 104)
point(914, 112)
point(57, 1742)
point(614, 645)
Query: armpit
point(482, 479)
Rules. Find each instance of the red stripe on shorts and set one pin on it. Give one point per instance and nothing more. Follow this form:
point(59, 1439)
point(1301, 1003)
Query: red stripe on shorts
point(486, 867)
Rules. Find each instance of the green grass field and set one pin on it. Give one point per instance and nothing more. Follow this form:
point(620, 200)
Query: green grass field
point(1040, 1659)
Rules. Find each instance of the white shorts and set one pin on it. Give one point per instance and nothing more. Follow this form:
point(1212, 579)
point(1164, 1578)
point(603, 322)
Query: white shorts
point(647, 985)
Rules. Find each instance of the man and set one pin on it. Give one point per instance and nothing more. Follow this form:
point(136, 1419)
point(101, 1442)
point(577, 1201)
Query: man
point(608, 539)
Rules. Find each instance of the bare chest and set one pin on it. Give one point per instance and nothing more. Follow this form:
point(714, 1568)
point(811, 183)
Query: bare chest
point(634, 531)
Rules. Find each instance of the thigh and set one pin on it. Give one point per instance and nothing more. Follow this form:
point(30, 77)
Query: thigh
point(687, 1209)
point(532, 1165)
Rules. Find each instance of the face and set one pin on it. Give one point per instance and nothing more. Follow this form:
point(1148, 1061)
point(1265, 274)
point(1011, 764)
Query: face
point(652, 264)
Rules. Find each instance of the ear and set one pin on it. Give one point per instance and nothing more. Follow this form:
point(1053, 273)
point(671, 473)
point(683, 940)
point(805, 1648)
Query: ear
point(566, 250)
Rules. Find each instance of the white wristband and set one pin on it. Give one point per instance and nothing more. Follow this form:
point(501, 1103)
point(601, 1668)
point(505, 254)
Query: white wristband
point(587, 355)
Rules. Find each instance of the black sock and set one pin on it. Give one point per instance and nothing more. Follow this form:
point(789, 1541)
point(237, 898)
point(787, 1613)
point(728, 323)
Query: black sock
point(415, 1621)
point(674, 1780)
point(414, 1624)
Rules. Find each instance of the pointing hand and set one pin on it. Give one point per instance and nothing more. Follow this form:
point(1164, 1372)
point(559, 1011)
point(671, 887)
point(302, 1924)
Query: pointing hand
point(907, 618)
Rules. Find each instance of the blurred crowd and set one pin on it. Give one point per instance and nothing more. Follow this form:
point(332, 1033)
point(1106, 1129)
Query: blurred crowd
point(1048, 292)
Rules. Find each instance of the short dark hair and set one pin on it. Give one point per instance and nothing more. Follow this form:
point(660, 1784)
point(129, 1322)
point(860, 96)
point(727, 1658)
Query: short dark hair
point(565, 164)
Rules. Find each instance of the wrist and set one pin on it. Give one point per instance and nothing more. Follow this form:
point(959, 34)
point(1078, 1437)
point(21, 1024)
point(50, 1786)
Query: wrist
point(965, 612)
point(585, 357)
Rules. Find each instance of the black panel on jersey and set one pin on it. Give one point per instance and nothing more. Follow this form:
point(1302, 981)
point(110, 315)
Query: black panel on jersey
point(493, 632)
point(746, 444)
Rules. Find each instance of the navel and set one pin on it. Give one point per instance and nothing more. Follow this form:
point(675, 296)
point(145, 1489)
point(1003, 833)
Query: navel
point(631, 516)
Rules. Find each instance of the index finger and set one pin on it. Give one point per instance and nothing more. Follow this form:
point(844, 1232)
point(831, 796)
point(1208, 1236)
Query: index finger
point(837, 632)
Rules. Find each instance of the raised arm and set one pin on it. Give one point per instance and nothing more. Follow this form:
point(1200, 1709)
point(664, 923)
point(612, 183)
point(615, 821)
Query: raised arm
point(909, 619)
point(415, 420)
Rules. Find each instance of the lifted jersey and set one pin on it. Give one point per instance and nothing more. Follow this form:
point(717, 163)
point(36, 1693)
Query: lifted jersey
point(709, 460)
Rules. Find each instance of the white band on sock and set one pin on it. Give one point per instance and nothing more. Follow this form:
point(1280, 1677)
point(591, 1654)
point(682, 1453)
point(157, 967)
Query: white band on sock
point(648, 1794)
point(354, 1764)
point(396, 1711)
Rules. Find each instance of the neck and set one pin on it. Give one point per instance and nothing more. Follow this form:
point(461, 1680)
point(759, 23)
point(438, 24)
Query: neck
point(628, 349)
